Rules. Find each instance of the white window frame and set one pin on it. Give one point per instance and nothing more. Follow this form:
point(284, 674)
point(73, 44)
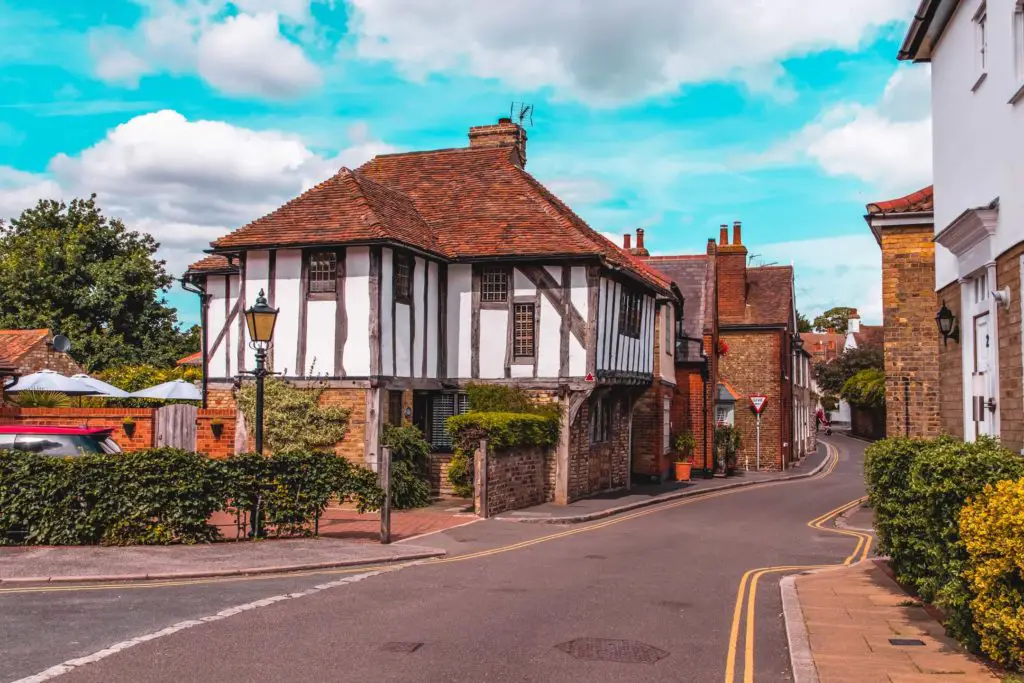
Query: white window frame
point(725, 413)
point(981, 57)
point(1018, 50)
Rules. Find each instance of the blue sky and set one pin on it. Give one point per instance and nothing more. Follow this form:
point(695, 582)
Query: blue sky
point(189, 118)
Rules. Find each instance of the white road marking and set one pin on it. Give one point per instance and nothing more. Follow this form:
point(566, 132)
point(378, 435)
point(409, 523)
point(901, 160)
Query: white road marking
point(71, 664)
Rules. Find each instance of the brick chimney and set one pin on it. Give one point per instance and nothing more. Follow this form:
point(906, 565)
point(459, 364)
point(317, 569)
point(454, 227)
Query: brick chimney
point(505, 133)
point(626, 243)
point(732, 273)
point(853, 324)
point(640, 250)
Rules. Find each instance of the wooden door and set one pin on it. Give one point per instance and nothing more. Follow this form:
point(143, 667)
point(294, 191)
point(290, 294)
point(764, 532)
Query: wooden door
point(175, 426)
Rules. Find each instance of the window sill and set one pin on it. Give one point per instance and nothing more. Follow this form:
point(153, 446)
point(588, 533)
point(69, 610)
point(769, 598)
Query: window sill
point(1017, 96)
point(321, 296)
point(977, 83)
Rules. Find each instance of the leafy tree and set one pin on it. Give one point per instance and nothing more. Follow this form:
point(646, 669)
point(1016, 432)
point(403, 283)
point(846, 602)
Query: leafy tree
point(837, 318)
point(832, 375)
point(69, 268)
point(866, 389)
point(802, 324)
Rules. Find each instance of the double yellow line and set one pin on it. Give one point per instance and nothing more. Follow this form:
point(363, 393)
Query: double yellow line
point(750, 579)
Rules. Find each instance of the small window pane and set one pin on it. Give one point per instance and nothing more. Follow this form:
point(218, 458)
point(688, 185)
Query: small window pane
point(403, 277)
point(600, 420)
point(630, 313)
point(494, 285)
point(523, 343)
point(323, 270)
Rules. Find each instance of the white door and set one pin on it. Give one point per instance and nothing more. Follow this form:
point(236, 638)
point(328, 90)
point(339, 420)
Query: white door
point(982, 380)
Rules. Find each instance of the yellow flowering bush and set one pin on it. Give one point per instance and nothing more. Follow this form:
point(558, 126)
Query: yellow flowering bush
point(992, 530)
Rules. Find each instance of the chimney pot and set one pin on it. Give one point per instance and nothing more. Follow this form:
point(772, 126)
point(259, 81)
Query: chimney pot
point(504, 119)
point(736, 234)
point(639, 238)
point(626, 241)
point(723, 236)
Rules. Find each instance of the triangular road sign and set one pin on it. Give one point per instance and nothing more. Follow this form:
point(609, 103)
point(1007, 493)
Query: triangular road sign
point(759, 403)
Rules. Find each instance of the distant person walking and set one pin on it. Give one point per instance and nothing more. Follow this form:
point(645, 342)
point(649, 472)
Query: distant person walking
point(820, 419)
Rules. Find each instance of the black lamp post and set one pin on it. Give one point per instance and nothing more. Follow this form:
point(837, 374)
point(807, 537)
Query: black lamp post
point(260, 320)
point(946, 321)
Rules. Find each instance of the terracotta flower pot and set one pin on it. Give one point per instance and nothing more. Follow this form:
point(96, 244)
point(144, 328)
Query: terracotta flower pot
point(683, 471)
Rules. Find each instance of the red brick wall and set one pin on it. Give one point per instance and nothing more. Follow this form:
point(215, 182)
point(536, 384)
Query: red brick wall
point(141, 438)
point(1011, 370)
point(41, 357)
point(732, 281)
point(951, 381)
point(752, 366)
point(210, 444)
point(516, 479)
point(649, 458)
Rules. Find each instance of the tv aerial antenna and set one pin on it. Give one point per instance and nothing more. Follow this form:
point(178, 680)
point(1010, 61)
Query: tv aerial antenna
point(521, 112)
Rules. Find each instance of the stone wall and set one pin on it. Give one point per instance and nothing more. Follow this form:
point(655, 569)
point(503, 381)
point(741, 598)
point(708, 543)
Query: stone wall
point(911, 339)
point(517, 478)
point(649, 457)
point(439, 484)
point(752, 366)
point(601, 466)
point(1011, 369)
point(951, 381)
point(868, 423)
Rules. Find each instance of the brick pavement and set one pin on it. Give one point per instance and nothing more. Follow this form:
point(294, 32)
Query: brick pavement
point(851, 614)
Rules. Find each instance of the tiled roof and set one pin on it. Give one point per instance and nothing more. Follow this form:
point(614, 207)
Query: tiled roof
point(690, 273)
point(769, 297)
point(823, 345)
point(346, 207)
point(216, 262)
point(869, 335)
point(16, 343)
point(921, 201)
point(192, 359)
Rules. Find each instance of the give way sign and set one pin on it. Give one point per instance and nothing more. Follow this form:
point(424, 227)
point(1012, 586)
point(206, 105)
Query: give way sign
point(759, 403)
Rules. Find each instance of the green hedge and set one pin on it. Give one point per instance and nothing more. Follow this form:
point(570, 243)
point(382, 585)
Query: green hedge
point(167, 495)
point(918, 488)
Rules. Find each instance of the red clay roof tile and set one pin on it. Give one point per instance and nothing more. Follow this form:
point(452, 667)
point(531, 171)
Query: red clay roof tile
point(212, 263)
point(916, 202)
point(16, 343)
point(769, 297)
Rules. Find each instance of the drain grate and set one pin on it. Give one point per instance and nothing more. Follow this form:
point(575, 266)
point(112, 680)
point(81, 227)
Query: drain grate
point(609, 650)
point(399, 646)
point(905, 641)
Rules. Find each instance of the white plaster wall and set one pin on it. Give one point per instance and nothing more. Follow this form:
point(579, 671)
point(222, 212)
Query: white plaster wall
point(549, 340)
point(387, 325)
point(287, 283)
point(216, 287)
point(460, 311)
point(580, 298)
point(403, 349)
point(432, 319)
point(555, 272)
point(522, 285)
point(420, 322)
point(666, 341)
point(602, 323)
point(493, 340)
point(257, 277)
point(978, 137)
point(320, 319)
point(357, 307)
point(522, 371)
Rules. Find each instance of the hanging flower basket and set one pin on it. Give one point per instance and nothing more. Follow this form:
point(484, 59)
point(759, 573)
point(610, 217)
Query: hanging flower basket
point(723, 348)
point(128, 424)
point(217, 427)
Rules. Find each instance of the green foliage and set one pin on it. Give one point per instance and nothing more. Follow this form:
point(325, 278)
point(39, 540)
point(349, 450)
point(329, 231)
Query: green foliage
point(684, 445)
point(802, 324)
point(865, 389)
point(293, 418)
point(42, 399)
point(166, 495)
point(918, 488)
point(136, 377)
point(837, 318)
point(460, 474)
point(832, 375)
point(727, 444)
point(829, 403)
point(498, 398)
point(503, 430)
point(68, 268)
point(410, 462)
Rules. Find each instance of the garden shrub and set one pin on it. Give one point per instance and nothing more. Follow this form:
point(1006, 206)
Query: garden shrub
point(992, 529)
point(865, 389)
point(918, 489)
point(293, 418)
point(410, 463)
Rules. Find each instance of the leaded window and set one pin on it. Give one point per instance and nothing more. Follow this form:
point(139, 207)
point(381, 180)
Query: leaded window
point(600, 420)
point(494, 285)
point(323, 271)
point(403, 278)
point(630, 313)
point(524, 338)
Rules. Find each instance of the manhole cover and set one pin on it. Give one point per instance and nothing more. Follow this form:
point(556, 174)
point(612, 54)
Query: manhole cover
point(609, 650)
point(905, 641)
point(399, 646)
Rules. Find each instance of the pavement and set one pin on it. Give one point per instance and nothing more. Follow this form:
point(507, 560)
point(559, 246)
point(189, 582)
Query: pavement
point(643, 495)
point(859, 626)
point(653, 594)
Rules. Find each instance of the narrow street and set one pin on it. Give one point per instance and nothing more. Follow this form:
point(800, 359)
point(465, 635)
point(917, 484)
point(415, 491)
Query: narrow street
point(512, 602)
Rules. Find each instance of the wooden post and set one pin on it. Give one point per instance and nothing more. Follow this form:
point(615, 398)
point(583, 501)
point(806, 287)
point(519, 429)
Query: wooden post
point(480, 477)
point(385, 483)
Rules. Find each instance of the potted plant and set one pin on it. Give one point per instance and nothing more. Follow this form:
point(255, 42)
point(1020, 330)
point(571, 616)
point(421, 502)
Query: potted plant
point(217, 427)
point(684, 445)
point(128, 423)
point(727, 446)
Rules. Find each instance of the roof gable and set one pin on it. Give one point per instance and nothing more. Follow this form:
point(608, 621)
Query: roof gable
point(16, 343)
point(769, 298)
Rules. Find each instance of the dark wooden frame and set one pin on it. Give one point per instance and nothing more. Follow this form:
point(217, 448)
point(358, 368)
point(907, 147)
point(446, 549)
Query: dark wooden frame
point(396, 256)
point(496, 305)
point(524, 301)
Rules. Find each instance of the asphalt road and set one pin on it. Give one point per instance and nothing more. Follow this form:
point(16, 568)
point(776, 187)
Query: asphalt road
point(647, 596)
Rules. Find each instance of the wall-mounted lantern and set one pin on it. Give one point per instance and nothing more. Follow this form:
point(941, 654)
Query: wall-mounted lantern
point(946, 321)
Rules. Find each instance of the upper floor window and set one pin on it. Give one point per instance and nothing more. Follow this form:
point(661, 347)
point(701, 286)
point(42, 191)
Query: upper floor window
point(630, 305)
point(494, 285)
point(981, 40)
point(323, 271)
point(403, 278)
point(524, 331)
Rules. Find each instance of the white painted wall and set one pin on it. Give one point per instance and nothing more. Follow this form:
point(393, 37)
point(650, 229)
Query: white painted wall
point(420, 322)
point(357, 307)
point(493, 342)
point(460, 312)
point(287, 288)
point(978, 137)
point(403, 349)
point(387, 325)
point(433, 310)
point(580, 297)
point(257, 277)
point(549, 340)
point(667, 343)
point(216, 286)
point(320, 321)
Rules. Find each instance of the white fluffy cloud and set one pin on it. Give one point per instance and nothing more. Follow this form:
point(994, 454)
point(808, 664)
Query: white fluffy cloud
point(609, 50)
point(854, 280)
point(185, 182)
point(241, 54)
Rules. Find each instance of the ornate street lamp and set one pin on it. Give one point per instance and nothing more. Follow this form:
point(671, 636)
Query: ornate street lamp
point(798, 342)
point(260, 320)
point(946, 321)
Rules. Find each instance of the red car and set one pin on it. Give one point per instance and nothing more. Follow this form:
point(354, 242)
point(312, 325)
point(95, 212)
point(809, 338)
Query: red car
point(57, 441)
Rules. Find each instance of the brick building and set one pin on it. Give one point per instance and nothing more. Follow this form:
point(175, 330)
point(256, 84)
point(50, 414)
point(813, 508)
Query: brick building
point(26, 351)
